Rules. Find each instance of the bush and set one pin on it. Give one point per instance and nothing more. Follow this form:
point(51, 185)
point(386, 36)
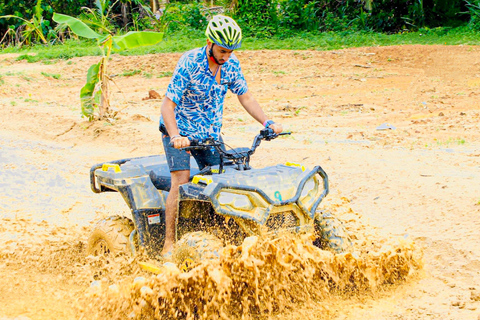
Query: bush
point(474, 10)
point(181, 16)
point(299, 15)
point(26, 9)
point(257, 17)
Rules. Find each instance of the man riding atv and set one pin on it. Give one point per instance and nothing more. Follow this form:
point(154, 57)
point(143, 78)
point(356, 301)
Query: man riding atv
point(193, 108)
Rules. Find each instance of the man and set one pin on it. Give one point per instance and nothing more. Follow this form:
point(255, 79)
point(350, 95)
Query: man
point(193, 107)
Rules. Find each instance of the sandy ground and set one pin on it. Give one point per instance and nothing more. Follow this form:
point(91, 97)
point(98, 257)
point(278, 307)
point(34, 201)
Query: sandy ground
point(419, 179)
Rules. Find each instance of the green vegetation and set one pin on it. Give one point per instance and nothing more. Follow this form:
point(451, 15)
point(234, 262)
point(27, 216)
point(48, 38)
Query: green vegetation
point(165, 74)
point(130, 73)
point(450, 141)
point(51, 75)
point(23, 23)
point(182, 41)
point(95, 93)
point(32, 29)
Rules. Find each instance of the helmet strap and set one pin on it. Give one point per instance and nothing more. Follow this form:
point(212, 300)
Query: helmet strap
point(212, 56)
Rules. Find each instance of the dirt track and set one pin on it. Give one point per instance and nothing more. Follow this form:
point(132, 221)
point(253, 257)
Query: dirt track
point(419, 180)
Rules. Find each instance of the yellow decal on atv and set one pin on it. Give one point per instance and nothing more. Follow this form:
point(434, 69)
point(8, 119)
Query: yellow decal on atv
point(114, 166)
point(197, 179)
point(293, 164)
point(186, 265)
point(150, 267)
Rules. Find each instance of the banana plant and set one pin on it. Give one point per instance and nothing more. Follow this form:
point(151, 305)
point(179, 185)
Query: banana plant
point(32, 27)
point(95, 93)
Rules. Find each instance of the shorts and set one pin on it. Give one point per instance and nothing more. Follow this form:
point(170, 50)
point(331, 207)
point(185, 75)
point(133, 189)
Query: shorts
point(180, 159)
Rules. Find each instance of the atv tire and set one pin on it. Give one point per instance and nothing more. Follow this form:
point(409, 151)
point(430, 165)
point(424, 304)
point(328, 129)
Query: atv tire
point(110, 236)
point(194, 247)
point(330, 233)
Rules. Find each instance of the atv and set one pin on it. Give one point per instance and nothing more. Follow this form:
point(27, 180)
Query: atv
point(220, 205)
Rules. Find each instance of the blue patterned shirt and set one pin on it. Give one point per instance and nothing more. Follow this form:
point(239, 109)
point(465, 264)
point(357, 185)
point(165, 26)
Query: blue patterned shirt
point(198, 96)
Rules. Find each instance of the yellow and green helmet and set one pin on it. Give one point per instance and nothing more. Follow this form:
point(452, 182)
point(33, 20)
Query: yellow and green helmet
point(224, 32)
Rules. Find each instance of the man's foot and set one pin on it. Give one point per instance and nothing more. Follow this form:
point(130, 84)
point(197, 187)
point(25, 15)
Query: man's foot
point(167, 251)
point(167, 256)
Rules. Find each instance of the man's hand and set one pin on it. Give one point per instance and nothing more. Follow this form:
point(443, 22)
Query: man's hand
point(276, 127)
point(179, 142)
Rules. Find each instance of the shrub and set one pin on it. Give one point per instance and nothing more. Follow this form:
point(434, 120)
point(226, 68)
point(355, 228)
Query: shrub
point(257, 17)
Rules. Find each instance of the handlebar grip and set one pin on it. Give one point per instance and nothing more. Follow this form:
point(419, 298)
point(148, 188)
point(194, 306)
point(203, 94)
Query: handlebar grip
point(193, 142)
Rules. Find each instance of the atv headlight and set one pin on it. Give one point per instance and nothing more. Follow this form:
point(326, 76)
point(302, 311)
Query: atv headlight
point(309, 186)
point(235, 200)
point(311, 191)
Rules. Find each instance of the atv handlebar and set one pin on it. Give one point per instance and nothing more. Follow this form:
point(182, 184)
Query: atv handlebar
point(265, 134)
point(239, 157)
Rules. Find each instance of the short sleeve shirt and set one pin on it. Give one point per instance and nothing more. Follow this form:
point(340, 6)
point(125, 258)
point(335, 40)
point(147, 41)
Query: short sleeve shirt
point(198, 96)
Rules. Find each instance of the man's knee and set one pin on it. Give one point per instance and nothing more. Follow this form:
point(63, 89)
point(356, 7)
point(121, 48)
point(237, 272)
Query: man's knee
point(180, 177)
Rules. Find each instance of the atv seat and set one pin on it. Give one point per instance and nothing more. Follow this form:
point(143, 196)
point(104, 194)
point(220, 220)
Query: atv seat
point(163, 180)
point(161, 177)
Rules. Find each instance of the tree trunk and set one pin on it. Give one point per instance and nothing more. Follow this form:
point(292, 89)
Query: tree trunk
point(104, 109)
point(154, 5)
point(124, 7)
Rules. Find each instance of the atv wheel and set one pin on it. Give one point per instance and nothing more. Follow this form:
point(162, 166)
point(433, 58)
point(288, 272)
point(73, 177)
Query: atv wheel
point(194, 247)
point(330, 233)
point(110, 236)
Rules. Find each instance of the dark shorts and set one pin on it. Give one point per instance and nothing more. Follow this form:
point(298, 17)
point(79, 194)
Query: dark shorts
point(180, 159)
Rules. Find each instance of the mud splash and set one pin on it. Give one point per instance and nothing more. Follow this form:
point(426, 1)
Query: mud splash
point(260, 278)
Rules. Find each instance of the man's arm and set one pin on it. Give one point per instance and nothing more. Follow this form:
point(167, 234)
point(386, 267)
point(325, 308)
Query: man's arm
point(168, 114)
point(253, 108)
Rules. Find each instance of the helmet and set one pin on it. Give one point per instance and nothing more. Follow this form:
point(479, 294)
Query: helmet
point(224, 32)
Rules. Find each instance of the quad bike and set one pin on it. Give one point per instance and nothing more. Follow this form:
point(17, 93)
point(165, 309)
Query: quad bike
point(221, 204)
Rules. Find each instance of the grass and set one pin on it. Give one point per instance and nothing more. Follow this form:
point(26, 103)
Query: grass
point(451, 141)
point(51, 75)
point(165, 74)
point(130, 73)
point(186, 40)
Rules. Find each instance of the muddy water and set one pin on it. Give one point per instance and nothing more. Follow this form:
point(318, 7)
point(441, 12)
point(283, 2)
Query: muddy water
point(259, 279)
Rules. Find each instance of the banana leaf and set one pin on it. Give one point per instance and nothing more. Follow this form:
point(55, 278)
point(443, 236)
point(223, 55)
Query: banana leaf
point(77, 26)
point(135, 39)
point(86, 93)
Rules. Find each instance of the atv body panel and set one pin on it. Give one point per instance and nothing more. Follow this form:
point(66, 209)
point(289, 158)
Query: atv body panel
point(262, 197)
point(144, 184)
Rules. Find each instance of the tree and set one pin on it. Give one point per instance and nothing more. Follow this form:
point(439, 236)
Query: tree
point(95, 93)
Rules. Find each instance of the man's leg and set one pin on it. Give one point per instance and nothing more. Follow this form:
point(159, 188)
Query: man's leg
point(179, 165)
point(178, 178)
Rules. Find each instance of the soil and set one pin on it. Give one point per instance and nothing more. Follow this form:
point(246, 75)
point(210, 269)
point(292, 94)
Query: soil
point(397, 129)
